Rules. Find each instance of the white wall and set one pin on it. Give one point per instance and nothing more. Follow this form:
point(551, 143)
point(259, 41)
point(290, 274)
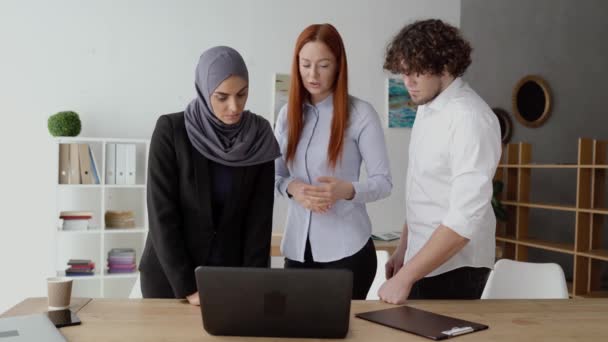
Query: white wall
point(120, 64)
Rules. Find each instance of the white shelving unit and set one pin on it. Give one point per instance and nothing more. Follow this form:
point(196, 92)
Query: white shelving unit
point(95, 243)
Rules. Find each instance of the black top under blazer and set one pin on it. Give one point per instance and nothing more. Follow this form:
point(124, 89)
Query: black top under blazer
point(182, 232)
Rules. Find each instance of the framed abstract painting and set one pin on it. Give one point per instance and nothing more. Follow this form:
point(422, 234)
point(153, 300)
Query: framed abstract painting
point(401, 108)
point(281, 93)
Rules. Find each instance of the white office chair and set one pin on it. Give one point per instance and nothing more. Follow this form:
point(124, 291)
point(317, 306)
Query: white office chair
point(277, 262)
point(525, 280)
point(136, 290)
point(382, 257)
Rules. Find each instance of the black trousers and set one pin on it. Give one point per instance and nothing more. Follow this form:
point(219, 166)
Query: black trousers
point(362, 264)
point(155, 286)
point(461, 283)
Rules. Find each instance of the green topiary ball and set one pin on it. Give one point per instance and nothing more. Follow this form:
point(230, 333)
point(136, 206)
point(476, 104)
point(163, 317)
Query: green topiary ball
point(64, 124)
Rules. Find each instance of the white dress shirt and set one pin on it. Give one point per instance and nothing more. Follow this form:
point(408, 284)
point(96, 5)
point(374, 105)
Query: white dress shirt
point(346, 227)
point(454, 151)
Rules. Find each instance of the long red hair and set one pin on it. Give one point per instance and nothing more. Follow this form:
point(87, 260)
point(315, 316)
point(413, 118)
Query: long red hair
point(328, 35)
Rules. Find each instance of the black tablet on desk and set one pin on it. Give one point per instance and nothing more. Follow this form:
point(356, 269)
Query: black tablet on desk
point(422, 323)
point(63, 318)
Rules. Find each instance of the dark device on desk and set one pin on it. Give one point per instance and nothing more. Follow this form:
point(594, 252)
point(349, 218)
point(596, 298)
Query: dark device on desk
point(422, 323)
point(275, 302)
point(63, 318)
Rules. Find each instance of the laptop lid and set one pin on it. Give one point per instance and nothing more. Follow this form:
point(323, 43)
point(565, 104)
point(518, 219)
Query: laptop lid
point(28, 328)
point(275, 302)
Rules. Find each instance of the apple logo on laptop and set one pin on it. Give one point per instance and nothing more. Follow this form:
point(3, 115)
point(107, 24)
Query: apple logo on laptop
point(274, 303)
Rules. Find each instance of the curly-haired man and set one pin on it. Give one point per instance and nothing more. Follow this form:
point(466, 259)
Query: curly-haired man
point(447, 246)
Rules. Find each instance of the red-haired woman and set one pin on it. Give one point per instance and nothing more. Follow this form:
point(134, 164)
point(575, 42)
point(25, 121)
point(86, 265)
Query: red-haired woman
point(325, 135)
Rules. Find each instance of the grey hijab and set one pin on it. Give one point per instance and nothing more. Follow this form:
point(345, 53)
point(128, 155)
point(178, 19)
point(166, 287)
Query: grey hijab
point(248, 142)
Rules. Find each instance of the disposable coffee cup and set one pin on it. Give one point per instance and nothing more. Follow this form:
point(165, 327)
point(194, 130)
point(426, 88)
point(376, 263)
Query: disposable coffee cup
point(59, 292)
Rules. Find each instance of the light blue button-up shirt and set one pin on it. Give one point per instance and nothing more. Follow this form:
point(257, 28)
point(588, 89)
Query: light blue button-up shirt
point(345, 228)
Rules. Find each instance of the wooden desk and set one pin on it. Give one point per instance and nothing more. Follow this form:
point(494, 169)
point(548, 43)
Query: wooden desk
point(509, 320)
point(39, 305)
point(275, 245)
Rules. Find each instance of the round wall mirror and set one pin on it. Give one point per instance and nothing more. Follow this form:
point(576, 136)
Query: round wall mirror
point(531, 101)
point(506, 127)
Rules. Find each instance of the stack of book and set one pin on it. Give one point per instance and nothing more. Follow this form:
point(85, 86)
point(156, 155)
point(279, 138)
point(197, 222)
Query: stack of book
point(80, 267)
point(75, 220)
point(121, 260)
point(386, 236)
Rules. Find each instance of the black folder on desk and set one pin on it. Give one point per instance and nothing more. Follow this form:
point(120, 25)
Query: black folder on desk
point(422, 323)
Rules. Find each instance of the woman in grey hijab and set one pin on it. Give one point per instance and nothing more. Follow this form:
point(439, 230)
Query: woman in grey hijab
point(210, 183)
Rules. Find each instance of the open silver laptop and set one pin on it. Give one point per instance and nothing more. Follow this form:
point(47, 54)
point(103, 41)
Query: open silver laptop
point(275, 302)
point(34, 328)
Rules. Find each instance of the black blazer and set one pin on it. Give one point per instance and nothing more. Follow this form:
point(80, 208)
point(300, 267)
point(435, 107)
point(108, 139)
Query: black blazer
point(180, 217)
